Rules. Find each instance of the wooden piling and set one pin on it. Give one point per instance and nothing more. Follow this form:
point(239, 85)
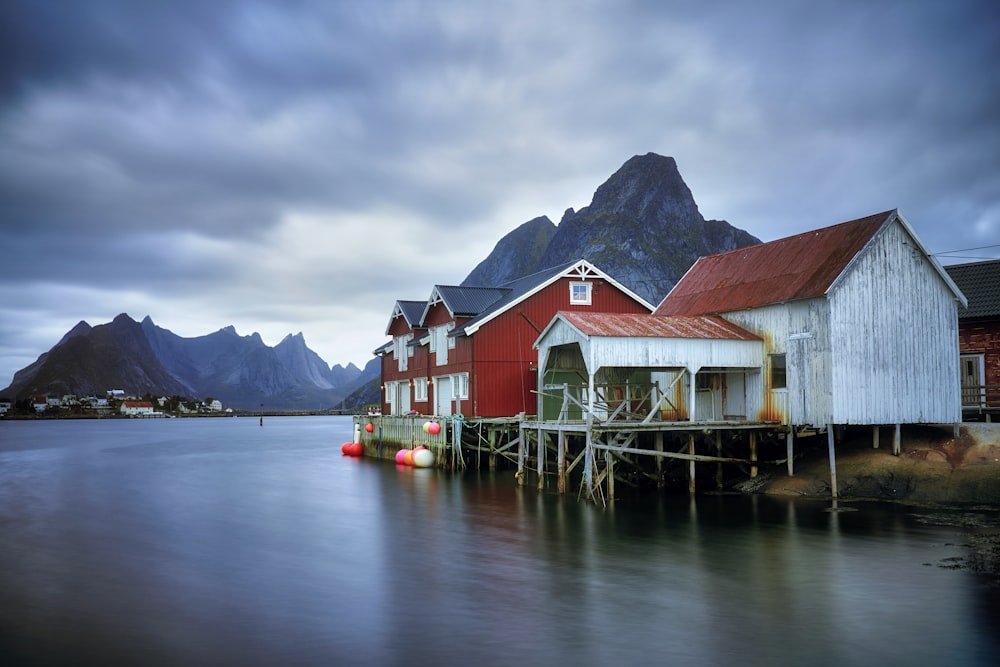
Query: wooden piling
point(790, 450)
point(833, 460)
point(691, 482)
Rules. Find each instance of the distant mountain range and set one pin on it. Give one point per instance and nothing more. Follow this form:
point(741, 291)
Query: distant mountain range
point(642, 227)
point(241, 371)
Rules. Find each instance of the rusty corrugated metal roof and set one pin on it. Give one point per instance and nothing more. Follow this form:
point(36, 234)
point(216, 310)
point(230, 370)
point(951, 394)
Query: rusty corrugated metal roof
point(797, 267)
point(653, 326)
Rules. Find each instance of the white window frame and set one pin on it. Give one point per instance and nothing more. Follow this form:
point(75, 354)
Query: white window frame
point(419, 390)
point(581, 297)
point(460, 386)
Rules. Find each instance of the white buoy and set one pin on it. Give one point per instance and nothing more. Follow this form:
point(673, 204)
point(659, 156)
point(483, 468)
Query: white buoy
point(423, 458)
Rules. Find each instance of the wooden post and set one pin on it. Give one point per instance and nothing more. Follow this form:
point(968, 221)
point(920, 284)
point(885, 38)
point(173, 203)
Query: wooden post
point(790, 450)
point(561, 463)
point(691, 484)
point(875, 434)
point(833, 460)
point(520, 455)
point(753, 454)
point(718, 466)
point(541, 460)
point(658, 444)
point(896, 441)
point(491, 435)
point(588, 461)
point(609, 461)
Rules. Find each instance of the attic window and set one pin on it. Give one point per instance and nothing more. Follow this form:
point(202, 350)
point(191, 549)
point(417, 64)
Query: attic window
point(579, 293)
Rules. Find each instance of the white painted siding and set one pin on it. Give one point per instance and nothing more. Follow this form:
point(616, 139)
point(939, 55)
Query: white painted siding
point(799, 330)
point(622, 352)
point(894, 336)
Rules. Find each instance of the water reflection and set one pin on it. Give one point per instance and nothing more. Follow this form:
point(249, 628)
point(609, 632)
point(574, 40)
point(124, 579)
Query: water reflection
point(205, 543)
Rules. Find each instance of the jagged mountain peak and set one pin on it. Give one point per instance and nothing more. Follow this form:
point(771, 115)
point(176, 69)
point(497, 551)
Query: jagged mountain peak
point(241, 371)
point(646, 181)
point(642, 226)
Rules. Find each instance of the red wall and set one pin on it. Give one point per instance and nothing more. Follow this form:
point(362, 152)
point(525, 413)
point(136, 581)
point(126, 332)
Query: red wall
point(505, 362)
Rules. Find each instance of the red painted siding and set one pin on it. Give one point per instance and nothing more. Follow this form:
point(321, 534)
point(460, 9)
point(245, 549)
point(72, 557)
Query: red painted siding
point(504, 377)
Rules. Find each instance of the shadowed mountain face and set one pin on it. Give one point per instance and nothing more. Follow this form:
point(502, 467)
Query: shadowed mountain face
point(642, 227)
point(240, 371)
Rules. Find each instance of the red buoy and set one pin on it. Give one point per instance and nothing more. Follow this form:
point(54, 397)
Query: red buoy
point(369, 427)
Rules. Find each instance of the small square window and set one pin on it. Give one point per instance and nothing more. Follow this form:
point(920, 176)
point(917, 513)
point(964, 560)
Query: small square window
point(579, 293)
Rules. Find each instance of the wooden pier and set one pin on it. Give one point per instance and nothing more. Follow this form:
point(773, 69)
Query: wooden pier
point(588, 455)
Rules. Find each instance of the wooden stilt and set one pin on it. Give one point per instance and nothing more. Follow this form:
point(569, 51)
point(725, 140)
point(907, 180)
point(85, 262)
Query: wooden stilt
point(753, 454)
point(875, 436)
point(561, 464)
point(718, 466)
point(790, 450)
point(521, 446)
point(833, 460)
point(491, 434)
point(691, 484)
point(540, 468)
point(658, 444)
point(588, 462)
point(609, 462)
point(897, 441)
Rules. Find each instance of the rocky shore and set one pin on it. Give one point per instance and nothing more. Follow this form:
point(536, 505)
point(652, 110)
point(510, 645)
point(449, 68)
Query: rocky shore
point(947, 481)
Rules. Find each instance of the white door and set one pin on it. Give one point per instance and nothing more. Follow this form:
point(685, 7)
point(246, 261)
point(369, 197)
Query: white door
point(442, 395)
point(736, 395)
point(403, 397)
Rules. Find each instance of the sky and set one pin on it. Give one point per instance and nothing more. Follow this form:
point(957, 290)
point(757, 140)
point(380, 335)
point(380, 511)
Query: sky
point(300, 166)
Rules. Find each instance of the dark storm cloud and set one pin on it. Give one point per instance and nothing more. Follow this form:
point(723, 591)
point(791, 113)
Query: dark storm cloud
point(293, 166)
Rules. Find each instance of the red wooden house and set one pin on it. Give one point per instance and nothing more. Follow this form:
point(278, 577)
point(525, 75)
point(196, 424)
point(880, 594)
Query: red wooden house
point(469, 350)
point(979, 336)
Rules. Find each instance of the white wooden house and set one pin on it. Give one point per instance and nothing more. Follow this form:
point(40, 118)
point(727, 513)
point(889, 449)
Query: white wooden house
point(850, 324)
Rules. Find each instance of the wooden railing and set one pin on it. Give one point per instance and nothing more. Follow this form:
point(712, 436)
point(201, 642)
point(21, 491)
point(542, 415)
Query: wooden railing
point(981, 397)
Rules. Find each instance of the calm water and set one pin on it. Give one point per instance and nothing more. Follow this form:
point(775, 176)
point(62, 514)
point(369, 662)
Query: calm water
point(218, 542)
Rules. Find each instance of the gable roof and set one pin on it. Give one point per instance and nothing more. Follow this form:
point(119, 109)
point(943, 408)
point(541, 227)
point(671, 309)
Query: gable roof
point(411, 311)
point(803, 266)
point(522, 288)
point(980, 282)
point(463, 301)
point(634, 325)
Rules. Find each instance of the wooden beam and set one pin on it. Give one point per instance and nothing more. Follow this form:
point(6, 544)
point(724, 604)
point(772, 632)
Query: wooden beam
point(675, 455)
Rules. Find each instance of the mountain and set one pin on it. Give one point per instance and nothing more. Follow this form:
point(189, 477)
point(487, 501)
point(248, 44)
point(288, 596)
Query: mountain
point(241, 371)
point(89, 361)
point(642, 227)
point(519, 253)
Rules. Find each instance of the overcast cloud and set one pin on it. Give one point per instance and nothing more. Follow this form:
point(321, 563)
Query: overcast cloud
point(300, 166)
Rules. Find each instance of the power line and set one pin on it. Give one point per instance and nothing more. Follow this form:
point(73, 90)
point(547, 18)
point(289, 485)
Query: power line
point(982, 247)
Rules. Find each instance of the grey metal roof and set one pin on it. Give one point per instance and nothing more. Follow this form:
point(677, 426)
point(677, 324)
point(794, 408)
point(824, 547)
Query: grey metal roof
point(513, 291)
point(980, 282)
point(468, 301)
point(412, 310)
